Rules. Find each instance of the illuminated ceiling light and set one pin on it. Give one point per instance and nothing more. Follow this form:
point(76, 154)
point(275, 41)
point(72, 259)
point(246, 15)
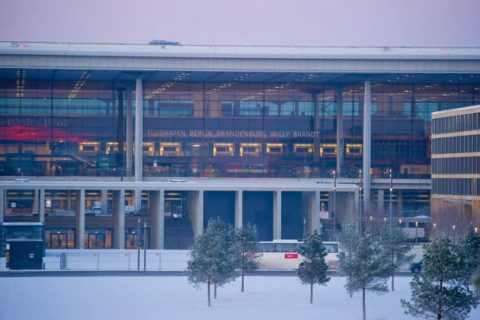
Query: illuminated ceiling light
point(79, 85)
point(20, 83)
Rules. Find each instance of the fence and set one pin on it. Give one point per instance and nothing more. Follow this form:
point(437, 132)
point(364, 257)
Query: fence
point(116, 260)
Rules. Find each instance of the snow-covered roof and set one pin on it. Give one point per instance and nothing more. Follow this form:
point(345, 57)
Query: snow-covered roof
point(217, 51)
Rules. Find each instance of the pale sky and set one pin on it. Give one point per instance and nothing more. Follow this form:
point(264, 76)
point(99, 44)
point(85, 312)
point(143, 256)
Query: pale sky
point(245, 22)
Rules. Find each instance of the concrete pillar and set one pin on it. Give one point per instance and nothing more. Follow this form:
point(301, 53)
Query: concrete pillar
point(399, 204)
point(277, 215)
point(69, 200)
point(139, 131)
point(340, 140)
point(119, 219)
point(356, 205)
point(2, 204)
point(35, 206)
point(239, 209)
point(80, 226)
point(195, 210)
point(346, 212)
point(367, 137)
point(313, 212)
point(316, 127)
point(137, 199)
point(157, 218)
point(41, 205)
point(104, 200)
point(380, 200)
point(129, 133)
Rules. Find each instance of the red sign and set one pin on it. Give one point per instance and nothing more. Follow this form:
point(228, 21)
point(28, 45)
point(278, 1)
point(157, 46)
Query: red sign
point(291, 255)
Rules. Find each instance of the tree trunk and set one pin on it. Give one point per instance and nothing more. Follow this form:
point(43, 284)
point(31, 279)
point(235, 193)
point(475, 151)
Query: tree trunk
point(363, 304)
point(439, 316)
point(215, 290)
point(208, 285)
point(243, 280)
point(393, 281)
point(393, 272)
point(311, 292)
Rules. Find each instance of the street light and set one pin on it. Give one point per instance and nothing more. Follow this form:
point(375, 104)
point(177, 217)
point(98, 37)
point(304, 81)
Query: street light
point(391, 191)
point(416, 232)
point(144, 246)
point(138, 244)
point(454, 227)
point(434, 225)
point(334, 213)
point(361, 200)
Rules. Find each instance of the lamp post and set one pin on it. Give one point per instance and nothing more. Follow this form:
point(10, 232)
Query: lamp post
point(434, 225)
point(416, 232)
point(390, 206)
point(454, 227)
point(361, 201)
point(138, 244)
point(384, 223)
point(334, 213)
point(144, 246)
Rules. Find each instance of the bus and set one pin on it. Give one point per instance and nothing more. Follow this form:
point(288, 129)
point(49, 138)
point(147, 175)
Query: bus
point(283, 254)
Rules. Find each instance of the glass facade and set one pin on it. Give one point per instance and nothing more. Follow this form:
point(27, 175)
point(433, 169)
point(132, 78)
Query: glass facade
point(455, 152)
point(54, 127)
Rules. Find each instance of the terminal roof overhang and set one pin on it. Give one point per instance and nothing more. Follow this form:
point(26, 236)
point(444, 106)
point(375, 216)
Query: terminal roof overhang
point(181, 184)
point(122, 62)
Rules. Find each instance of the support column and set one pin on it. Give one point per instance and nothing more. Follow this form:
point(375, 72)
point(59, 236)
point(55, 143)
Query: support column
point(239, 209)
point(157, 218)
point(340, 140)
point(80, 227)
point(316, 127)
point(119, 219)
point(35, 206)
point(277, 215)
point(120, 154)
point(314, 212)
point(196, 212)
point(41, 205)
point(356, 205)
point(2, 204)
point(367, 137)
point(104, 200)
point(129, 133)
point(137, 199)
point(139, 130)
point(399, 204)
point(380, 200)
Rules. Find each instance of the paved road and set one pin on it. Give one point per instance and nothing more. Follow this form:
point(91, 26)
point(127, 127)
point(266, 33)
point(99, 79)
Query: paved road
point(66, 273)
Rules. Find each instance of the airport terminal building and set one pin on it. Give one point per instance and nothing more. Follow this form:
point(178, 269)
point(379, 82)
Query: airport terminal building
point(292, 139)
point(456, 171)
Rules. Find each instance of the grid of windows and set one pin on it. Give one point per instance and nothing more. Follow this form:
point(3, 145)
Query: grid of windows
point(461, 187)
point(450, 146)
point(461, 165)
point(459, 123)
point(462, 144)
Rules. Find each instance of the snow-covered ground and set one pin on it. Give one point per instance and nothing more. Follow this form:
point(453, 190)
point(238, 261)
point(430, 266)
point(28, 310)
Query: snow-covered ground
point(156, 298)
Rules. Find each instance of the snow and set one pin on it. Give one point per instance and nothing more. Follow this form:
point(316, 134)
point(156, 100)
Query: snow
point(162, 297)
